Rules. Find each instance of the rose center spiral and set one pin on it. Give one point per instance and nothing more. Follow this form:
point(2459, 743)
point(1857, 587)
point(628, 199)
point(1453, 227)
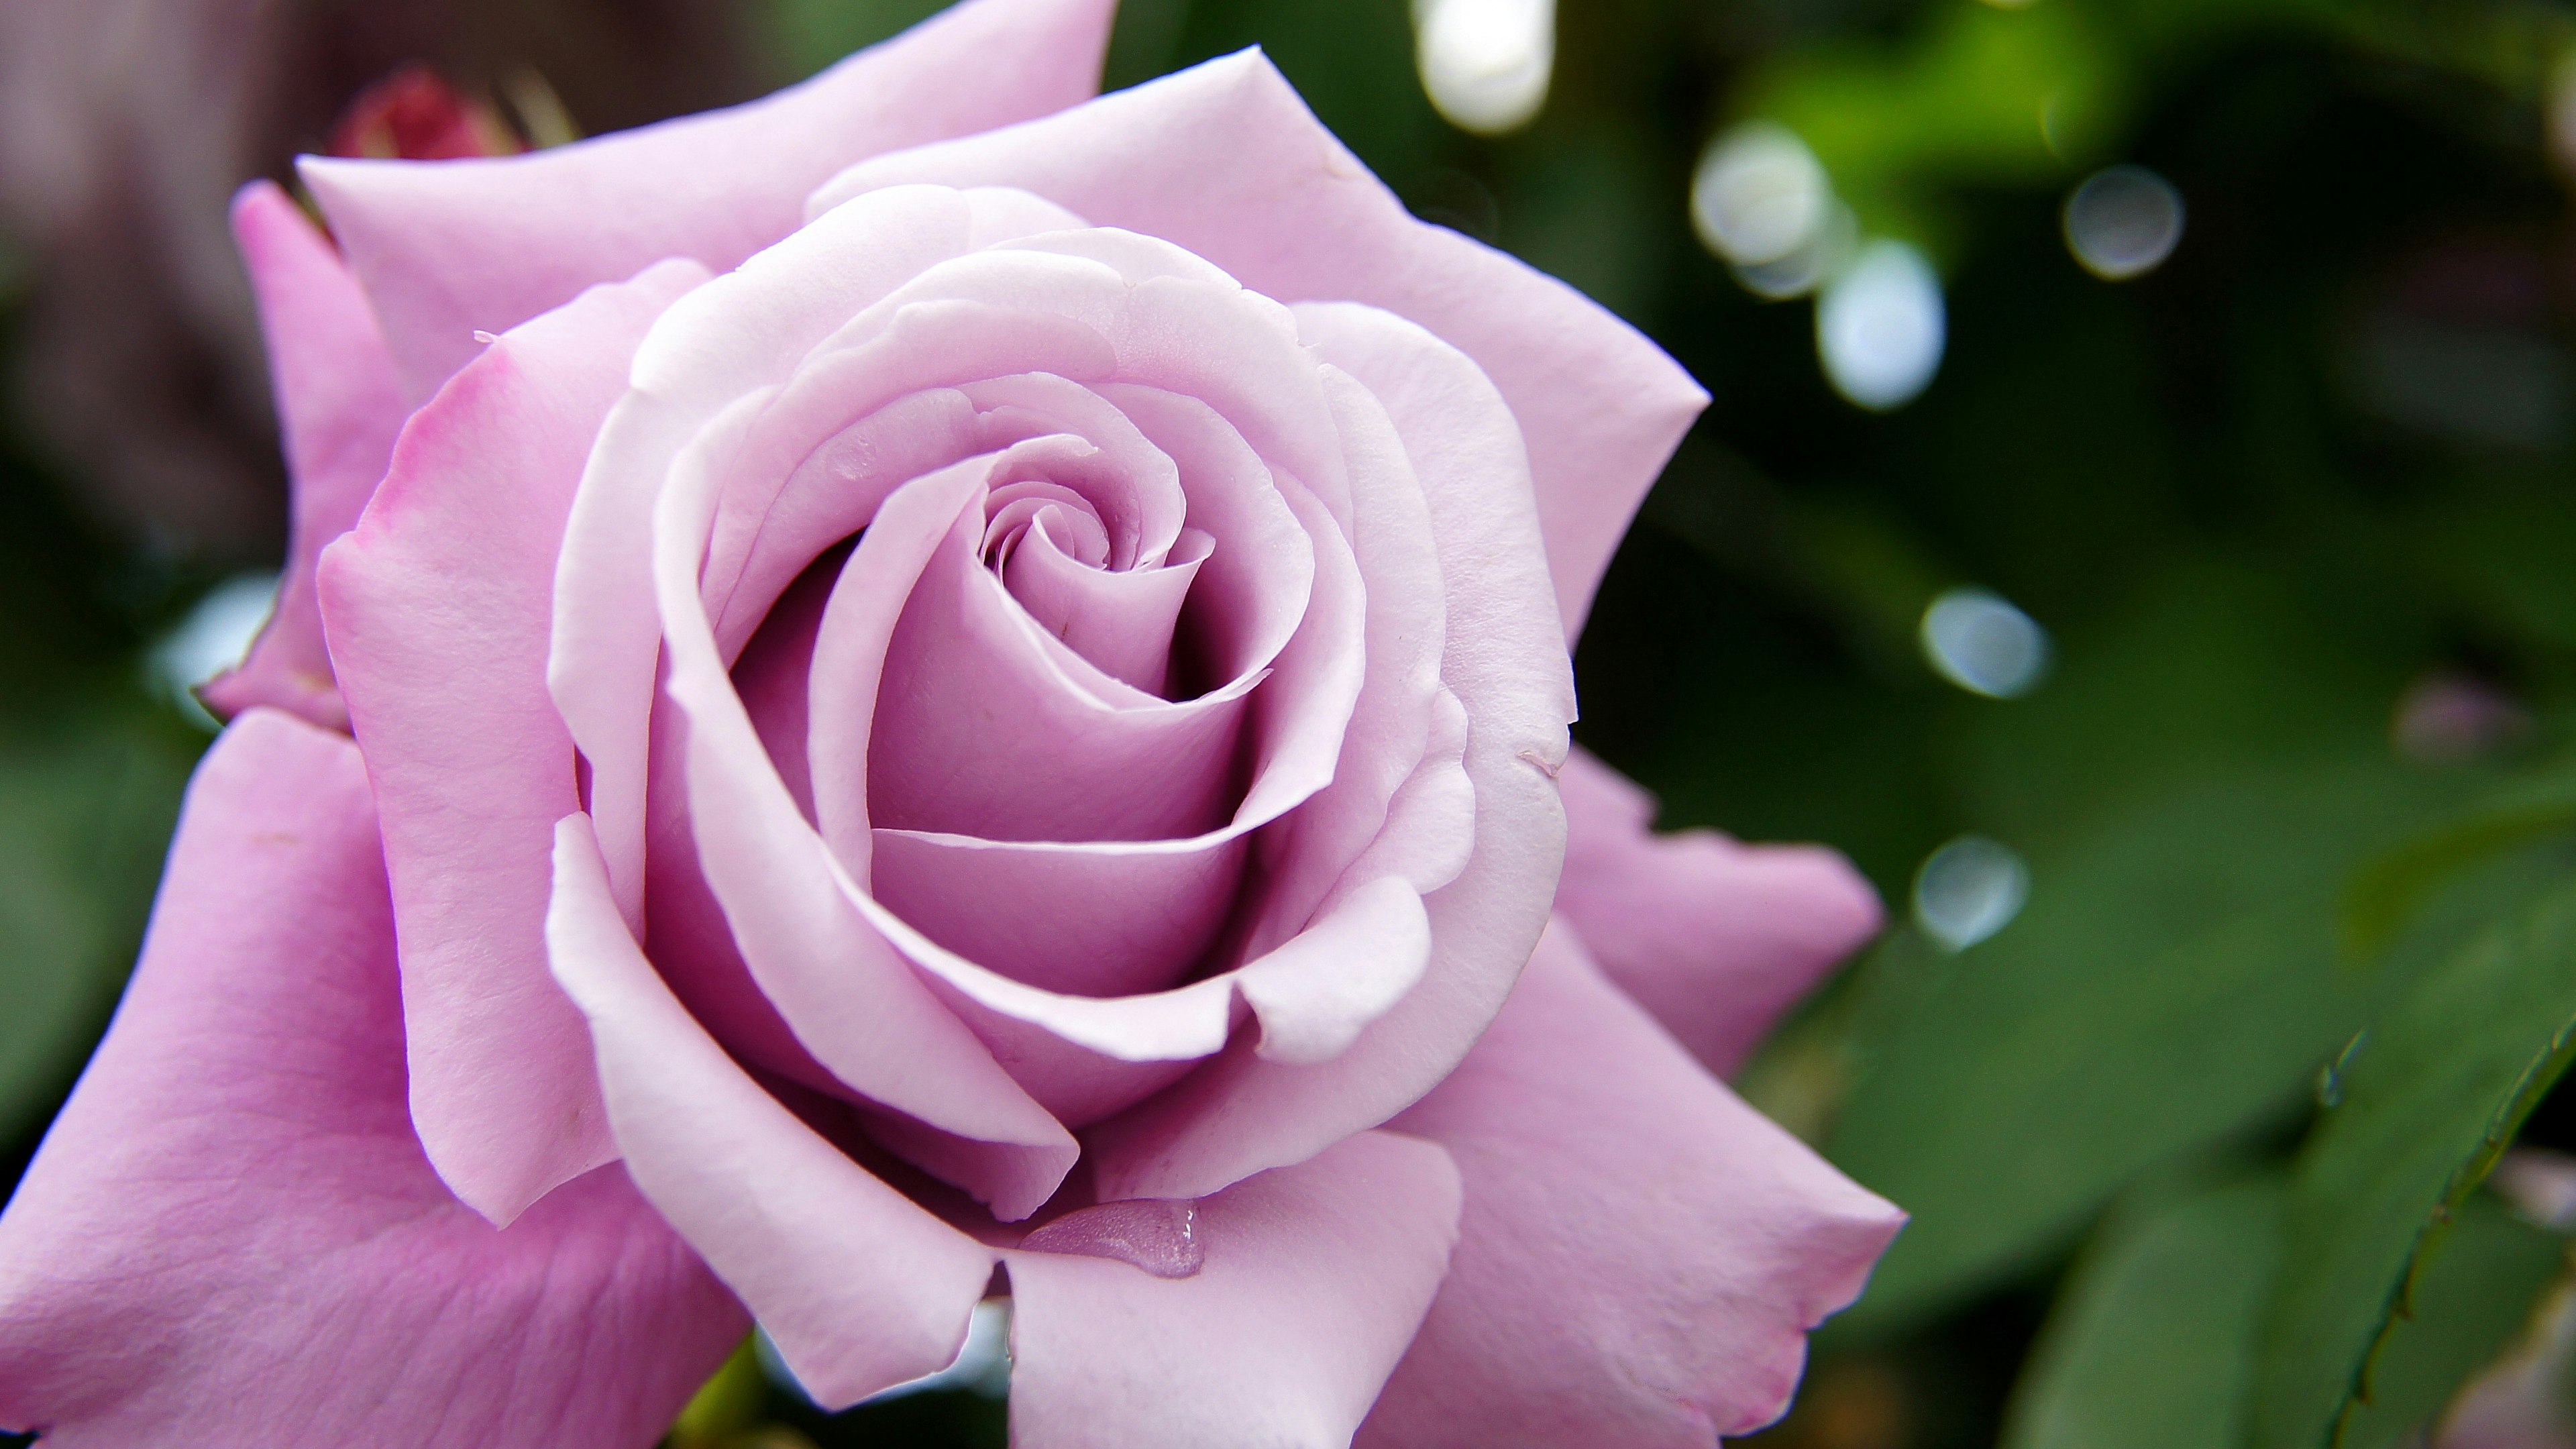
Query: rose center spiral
point(1084, 571)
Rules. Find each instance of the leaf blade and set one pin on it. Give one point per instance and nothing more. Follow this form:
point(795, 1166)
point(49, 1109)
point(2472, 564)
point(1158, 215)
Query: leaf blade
point(2452, 1070)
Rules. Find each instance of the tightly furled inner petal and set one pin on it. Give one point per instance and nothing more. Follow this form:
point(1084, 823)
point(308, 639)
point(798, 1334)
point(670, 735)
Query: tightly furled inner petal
point(1122, 622)
point(988, 724)
point(1065, 532)
point(1132, 488)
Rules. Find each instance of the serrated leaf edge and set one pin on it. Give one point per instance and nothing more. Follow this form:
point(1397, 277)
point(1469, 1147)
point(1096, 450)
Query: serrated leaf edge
point(2538, 1076)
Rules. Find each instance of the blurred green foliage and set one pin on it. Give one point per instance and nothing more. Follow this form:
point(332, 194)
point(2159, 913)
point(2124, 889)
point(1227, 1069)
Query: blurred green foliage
point(91, 766)
point(2157, 1339)
point(2150, 1346)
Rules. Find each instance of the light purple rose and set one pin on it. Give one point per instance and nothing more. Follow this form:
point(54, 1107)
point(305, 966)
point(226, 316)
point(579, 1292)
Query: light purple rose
point(947, 685)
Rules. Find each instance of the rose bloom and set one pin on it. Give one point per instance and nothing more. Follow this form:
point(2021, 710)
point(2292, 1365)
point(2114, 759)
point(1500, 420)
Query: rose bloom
point(926, 688)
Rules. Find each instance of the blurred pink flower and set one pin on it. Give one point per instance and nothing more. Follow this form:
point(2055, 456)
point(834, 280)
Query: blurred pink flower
point(124, 125)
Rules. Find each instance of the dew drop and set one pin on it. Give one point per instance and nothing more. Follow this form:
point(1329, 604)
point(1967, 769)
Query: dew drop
point(1159, 1235)
point(2330, 1076)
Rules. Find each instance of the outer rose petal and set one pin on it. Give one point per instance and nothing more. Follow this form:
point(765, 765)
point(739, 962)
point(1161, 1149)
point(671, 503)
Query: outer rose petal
point(1714, 937)
point(1224, 159)
point(438, 606)
point(1642, 1253)
point(340, 407)
point(231, 1226)
point(1316, 1277)
point(860, 1288)
point(447, 247)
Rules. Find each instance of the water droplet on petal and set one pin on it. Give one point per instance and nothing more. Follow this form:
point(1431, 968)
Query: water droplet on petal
point(1159, 1235)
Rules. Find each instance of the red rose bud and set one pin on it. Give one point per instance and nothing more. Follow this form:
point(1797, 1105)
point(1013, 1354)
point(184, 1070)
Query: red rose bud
point(415, 115)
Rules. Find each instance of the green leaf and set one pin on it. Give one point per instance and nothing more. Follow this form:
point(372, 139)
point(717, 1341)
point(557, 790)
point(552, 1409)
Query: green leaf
point(2427, 1106)
point(729, 1402)
point(2147, 1346)
point(2152, 1341)
point(2172, 980)
point(2476, 1294)
point(2388, 893)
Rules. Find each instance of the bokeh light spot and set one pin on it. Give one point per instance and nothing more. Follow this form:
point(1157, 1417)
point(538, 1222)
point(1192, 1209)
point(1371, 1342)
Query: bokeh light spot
point(1978, 641)
point(2449, 718)
point(1968, 890)
point(1759, 195)
point(2123, 222)
point(1880, 326)
point(1485, 63)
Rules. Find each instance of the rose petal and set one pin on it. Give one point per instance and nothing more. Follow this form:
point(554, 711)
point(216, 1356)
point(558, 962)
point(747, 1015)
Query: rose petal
point(1504, 659)
point(716, 358)
point(951, 323)
point(1430, 831)
point(852, 1001)
point(1642, 1254)
point(1188, 1021)
point(1134, 486)
point(986, 725)
point(763, 538)
point(446, 248)
point(1224, 159)
point(694, 946)
point(859, 1289)
point(1182, 1023)
point(1713, 937)
point(437, 607)
point(1391, 720)
point(1323, 986)
point(1121, 620)
point(847, 426)
point(1255, 588)
point(1253, 591)
point(1314, 1278)
point(1182, 327)
point(339, 407)
point(1191, 1022)
point(231, 1223)
point(1085, 921)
